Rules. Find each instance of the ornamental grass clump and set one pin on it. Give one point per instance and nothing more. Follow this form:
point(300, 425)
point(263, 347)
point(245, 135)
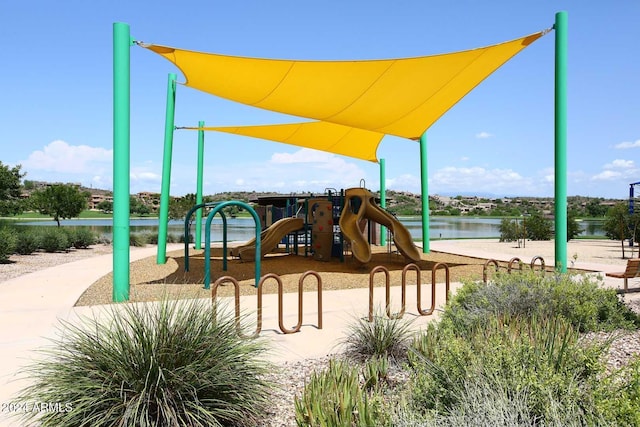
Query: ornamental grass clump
point(154, 364)
point(383, 337)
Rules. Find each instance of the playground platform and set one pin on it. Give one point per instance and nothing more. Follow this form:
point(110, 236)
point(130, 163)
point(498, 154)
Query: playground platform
point(31, 306)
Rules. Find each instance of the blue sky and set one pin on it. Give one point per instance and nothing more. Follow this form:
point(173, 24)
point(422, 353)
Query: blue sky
point(56, 113)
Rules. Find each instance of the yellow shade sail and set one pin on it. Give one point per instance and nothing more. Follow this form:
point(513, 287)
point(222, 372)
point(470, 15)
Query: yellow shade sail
point(401, 97)
point(329, 137)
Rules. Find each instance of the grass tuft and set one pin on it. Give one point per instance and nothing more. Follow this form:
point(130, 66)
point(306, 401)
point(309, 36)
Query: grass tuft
point(383, 337)
point(151, 364)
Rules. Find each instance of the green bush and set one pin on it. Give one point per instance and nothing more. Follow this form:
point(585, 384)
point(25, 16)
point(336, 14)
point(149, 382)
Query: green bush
point(578, 298)
point(54, 239)
point(191, 238)
point(164, 364)
point(8, 242)
point(81, 237)
point(137, 239)
point(383, 337)
point(335, 398)
point(151, 238)
point(539, 360)
point(28, 241)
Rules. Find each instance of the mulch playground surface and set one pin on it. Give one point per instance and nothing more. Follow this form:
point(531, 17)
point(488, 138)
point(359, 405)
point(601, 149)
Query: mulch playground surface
point(152, 282)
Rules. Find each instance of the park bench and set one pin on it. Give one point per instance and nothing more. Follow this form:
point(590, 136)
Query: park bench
point(633, 270)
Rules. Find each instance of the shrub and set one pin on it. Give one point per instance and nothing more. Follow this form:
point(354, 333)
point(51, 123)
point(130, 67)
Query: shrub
point(538, 360)
point(137, 239)
point(8, 242)
point(28, 241)
point(191, 238)
point(151, 238)
point(578, 298)
point(81, 237)
point(54, 239)
point(383, 337)
point(334, 397)
point(151, 364)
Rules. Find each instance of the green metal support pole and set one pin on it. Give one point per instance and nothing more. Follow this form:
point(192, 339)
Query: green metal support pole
point(121, 158)
point(198, 239)
point(163, 215)
point(383, 200)
point(561, 142)
point(424, 176)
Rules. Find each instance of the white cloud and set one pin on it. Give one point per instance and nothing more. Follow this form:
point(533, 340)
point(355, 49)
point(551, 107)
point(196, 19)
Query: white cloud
point(626, 144)
point(619, 164)
point(305, 155)
point(483, 180)
point(302, 170)
point(620, 170)
point(59, 156)
point(483, 135)
point(606, 176)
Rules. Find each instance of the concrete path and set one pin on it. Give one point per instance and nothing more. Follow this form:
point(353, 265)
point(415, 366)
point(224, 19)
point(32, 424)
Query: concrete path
point(32, 305)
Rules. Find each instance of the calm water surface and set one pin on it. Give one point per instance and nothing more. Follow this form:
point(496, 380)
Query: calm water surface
point(244, 228)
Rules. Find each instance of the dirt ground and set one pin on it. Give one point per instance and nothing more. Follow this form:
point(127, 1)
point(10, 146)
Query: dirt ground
point(151, 282)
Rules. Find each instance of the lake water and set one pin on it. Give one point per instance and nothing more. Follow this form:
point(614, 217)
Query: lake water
point(239, 229)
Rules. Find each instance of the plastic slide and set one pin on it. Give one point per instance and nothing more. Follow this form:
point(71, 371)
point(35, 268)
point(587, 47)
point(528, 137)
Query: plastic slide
point(269, 238)
point(360, 204)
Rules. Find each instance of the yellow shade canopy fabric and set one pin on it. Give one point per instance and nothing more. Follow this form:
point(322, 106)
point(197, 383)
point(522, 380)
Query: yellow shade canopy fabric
point(328, 137)
point(401, 97)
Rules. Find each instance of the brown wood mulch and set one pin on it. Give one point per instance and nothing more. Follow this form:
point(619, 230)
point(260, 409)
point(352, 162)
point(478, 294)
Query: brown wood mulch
point(152, 282)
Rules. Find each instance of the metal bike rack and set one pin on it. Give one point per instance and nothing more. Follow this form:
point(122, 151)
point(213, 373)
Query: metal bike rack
point(485, 268)
point(236, 285)
point(433, 285)
point(300, 293)
point(542, 264)
point(512, 261)
point(278, 280)
point(384, 270)
point(403, 287)
point(296, 328)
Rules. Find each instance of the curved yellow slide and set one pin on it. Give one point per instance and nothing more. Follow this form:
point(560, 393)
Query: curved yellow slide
point(269, 238)
point(360, 204)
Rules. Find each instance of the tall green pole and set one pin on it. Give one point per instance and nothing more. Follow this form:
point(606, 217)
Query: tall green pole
point(121, 159)
point(561, 142)
point(424, 189)
point(163, 216)
point(199, 184)
point(383, 200)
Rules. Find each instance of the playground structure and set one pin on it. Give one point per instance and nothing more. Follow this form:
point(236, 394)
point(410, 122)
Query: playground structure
point(353, 210)
point(358, 101)
point(360, 205)
point(270, 238)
